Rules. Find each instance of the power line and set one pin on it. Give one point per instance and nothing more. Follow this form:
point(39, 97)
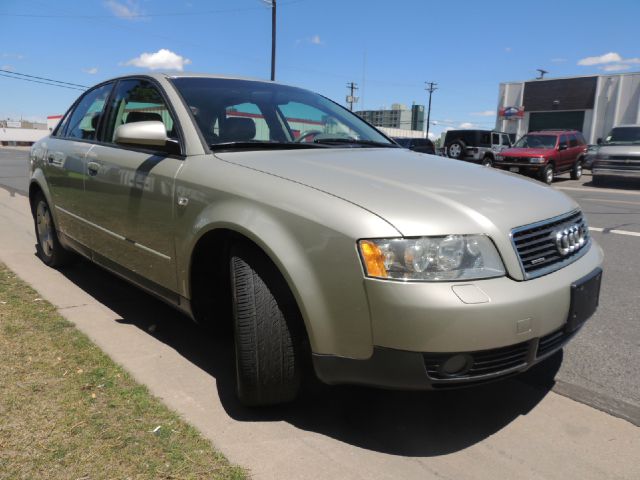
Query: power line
point(43, 78)
point(145, 15)
point(43, 83)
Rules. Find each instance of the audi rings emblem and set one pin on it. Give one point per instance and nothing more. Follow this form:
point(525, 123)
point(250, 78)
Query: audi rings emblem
point(570, 239)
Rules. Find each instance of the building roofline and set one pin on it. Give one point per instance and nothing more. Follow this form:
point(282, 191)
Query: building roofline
point(570, 77)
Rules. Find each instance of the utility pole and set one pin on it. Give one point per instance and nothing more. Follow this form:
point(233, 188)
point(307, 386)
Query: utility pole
point(430, 88)
point(273, 40)
point(351, 99)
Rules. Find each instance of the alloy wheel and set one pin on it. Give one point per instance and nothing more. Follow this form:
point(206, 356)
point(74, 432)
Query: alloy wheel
point(45, 228)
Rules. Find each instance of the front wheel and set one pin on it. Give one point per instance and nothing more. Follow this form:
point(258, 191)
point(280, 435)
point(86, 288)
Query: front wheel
point(49, 249)
point(576, 171)
point(266, 330)
point(546, 175)
point(487, 162)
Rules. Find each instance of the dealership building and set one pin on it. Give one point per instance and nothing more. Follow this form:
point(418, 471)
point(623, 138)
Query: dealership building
point(591, 104)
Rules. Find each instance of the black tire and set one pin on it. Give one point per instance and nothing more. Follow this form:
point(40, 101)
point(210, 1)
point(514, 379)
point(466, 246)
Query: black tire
point(48, 246)
point(267, 326)
point(598, 180)
point(458, 149)
point(546, 174)
point(576, 170)
point(487, 161)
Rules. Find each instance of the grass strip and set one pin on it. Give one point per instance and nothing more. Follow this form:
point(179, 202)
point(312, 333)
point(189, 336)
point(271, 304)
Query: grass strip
point(67, 411)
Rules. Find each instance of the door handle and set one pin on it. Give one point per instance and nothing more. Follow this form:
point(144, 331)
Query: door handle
point(93, 168)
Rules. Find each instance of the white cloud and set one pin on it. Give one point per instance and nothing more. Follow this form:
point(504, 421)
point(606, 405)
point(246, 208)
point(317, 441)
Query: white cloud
point(558, 60)
point(508, 49)
point(615, 67)
point(90, 71)
point(467, 125)
point(129, 10)
point(163, 59)
point(17, 56)
point(602, 59)
point(314, 40)
point(484, 113)
point(610, 62)
point(7, 67)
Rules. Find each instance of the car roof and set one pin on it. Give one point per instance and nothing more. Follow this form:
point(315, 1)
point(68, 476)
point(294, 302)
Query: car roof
point(166, 75)
point(552, 132)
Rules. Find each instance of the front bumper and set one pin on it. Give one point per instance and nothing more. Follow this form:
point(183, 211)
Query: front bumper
point(398, 369)
point(417, 325)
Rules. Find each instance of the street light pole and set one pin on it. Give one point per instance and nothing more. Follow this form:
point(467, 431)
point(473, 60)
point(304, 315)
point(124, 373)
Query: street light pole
point(273, 40)
point(431, 88)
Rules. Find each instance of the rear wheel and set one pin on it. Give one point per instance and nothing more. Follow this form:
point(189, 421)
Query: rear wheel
point(456, 149)
point(576, 171)
point(49, 249)
point(267, 326)
point(546, 174)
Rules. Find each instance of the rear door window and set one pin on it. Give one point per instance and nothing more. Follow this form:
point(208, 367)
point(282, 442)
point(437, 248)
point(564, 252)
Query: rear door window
point(573, 141)
point(495, 139)
point(84, 121)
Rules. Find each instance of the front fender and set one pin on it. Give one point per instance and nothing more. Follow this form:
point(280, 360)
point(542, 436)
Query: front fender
point(313, 246)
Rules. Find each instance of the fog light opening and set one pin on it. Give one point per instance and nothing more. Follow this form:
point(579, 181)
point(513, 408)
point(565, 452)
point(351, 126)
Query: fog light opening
point(457, 365)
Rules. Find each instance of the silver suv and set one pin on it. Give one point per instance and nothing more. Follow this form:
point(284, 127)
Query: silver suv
point(618, 155)
point(329, 249)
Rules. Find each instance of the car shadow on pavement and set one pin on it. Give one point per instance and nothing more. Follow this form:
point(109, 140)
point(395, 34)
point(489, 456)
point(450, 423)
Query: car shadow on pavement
point(393, 422)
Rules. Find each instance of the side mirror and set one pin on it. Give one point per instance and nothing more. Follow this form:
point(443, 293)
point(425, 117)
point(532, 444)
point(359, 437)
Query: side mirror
point(562, 146)
point(144, 134)
point(599, 141)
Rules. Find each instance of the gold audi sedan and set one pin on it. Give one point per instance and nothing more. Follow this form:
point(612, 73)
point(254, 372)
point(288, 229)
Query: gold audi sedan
point(332, 251)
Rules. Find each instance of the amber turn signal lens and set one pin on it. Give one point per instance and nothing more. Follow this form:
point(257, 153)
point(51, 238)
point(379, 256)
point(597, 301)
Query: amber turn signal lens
point(373, 259)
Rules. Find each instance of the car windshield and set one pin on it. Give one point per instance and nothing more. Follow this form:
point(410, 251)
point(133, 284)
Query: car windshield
point(233, 113)
point(536, 141)
point(405, 142)
point(623, 135)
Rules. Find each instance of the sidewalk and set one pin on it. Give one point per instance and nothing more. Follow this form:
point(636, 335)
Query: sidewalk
point(505, 430)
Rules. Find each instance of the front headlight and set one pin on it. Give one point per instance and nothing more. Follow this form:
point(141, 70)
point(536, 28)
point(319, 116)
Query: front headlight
point(537, 160)
point(454, 257)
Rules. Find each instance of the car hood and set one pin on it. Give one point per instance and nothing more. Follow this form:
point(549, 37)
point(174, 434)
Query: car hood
point(629, 149)
point(526, 152)
point(418, 194)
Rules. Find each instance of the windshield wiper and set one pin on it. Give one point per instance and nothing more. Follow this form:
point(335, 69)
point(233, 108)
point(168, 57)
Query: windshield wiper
point(353, 141)
point(261, 145)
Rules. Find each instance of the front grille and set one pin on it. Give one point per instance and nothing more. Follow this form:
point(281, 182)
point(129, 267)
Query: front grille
point(483, 363)
point(536, 246)
point(553, 341)
point(515, 159)
point(623, 163)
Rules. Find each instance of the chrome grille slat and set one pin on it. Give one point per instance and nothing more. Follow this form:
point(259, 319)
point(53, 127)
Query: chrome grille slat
point(535, 244)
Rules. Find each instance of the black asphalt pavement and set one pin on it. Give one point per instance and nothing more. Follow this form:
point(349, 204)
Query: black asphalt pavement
point(601, 366)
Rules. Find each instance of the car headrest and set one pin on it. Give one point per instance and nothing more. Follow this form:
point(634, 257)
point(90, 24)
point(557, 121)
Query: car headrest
point(143, 117)
point(237, 129)
point(94, 121)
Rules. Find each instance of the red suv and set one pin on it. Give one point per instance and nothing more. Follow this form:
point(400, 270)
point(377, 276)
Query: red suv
point(544, 154)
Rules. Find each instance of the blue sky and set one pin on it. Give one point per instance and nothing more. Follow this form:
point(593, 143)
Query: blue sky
point(389, 48)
